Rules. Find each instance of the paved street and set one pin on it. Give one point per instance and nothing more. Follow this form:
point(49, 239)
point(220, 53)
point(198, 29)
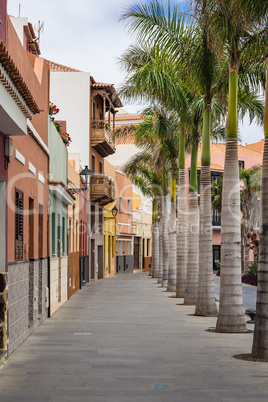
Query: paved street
point(124, 339)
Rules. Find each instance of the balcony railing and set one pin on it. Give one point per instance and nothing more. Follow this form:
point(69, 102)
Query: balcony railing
point(102, 137)
point(102, 189)
point(216, 218)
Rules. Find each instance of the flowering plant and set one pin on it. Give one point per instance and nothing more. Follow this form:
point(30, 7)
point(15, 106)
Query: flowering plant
point(66, 139)
point(64, 136)
point(53, 110)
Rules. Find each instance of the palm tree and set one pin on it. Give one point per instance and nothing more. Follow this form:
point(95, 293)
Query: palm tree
point(229, 23)
point(258, 11)
point(152, 78)
point(192, 262)
point(182, 222)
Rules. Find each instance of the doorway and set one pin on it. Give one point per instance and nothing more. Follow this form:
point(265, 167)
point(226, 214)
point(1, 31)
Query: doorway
point(136, 253)
point(92, 274)
point(100, 262)
point(216, 256)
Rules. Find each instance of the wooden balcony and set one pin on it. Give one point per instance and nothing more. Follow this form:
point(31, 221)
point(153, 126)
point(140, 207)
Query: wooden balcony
point(102, 189)
point(102, 138)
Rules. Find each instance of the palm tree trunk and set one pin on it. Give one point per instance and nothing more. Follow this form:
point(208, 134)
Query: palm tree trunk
point(155, 237)
point(260, 339)
point(165, 241)
point(206, 304)
point(181, 222)
point(160, 270)
point(181, 237)
point(192, 264)
point(231, 316)
point(171, 286)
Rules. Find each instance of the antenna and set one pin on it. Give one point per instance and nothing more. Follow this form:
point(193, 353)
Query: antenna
point(19, 10)
point(41, 28)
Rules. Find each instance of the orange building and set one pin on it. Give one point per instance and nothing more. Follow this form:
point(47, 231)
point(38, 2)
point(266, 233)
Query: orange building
point(27, 195)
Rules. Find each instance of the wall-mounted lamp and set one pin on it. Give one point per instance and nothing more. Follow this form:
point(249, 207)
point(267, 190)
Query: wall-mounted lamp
point(86, 172)
point(114, 213)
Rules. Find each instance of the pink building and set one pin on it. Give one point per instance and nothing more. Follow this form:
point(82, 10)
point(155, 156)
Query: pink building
point(247, 157)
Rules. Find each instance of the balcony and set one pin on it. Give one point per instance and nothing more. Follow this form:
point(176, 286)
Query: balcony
point(102, 189)
point(102, 138)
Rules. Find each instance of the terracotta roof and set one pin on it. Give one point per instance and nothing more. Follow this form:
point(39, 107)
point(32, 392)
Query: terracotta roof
point(256, 146)
point(56, 67)
point(9, 66)
point(108, 88)
point(213, 166)
point(128, 117)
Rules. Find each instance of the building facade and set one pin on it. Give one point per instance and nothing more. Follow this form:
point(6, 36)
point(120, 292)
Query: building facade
point(109, 229)
point(27, 197)
point(59, 200)
point(124, 230)
point(92, 137)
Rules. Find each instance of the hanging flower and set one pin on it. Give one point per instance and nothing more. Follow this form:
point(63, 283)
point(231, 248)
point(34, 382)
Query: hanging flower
point(66, 138)
point(53, 110)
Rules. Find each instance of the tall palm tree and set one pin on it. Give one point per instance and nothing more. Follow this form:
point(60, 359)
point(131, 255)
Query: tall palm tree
point(229, 24)
point(151, 23)
point(258, 11)
point(192, 262)
point(182, 222)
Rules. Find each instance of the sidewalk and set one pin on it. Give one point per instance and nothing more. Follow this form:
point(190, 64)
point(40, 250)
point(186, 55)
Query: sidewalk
point(124, 339)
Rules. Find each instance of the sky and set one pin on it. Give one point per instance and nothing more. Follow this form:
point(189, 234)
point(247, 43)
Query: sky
point(87, 35)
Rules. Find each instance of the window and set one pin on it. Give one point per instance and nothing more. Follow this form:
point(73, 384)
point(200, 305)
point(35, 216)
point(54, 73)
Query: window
point(18, 225)
point(94, 111)
point(100, 167)
point(53, 224)
point(59, 244)
point(128, 206)
point(241, 164)
point(77, 236)
point(40, 230)
point(31, 228)
point(63, 236)
point(148, 247)
point(120, 204)
point(93, 163)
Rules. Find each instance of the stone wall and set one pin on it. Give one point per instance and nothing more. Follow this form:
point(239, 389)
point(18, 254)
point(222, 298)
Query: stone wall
point(27, 299)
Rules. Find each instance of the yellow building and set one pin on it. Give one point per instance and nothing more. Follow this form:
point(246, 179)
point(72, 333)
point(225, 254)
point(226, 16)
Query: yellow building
point(109, 230)
point(142, 227)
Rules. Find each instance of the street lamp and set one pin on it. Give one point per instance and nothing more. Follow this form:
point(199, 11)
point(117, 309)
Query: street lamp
point(85, 172)
point(114, 213)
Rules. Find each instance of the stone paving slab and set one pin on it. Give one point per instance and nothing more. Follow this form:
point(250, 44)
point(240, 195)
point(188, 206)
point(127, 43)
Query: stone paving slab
point(125, 339)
